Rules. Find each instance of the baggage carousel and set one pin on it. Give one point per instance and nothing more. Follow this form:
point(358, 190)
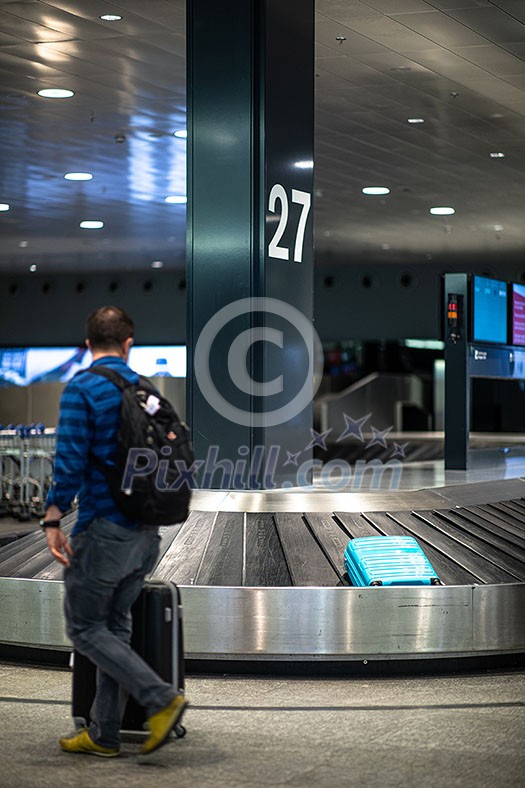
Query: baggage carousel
point(262, 578)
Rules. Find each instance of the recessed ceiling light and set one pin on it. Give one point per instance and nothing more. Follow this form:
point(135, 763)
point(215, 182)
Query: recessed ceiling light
point(90, 224)
point(375, 190)
point(416, 120)
point(401, 68)
point(110, 17)
point(498, 228)
point(78, 176)
point(4, 206)
point(497, 155)
point(304, 165)
point(442, 211)
point(178, 199)
point(32, 268)
point(157, 264)
point(181, 133)
point(57, 93)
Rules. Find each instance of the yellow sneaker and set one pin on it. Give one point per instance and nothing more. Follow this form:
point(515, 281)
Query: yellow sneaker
point(82, 743)
point(161, 724)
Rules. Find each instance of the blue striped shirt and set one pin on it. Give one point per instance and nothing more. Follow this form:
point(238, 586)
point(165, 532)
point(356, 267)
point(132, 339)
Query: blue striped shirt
point(88, 423)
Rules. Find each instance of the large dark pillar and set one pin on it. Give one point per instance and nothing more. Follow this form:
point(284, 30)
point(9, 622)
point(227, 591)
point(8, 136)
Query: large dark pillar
point(250, 236)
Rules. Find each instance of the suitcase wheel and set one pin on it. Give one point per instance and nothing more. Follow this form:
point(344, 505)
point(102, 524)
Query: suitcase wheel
point(180, 731)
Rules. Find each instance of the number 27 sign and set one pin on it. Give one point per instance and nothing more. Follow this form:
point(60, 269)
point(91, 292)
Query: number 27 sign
point(278, 194)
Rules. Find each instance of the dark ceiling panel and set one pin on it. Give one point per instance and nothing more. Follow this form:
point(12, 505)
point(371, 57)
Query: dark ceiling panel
point(491, 58)
point(518, 82)
point(391, 7)
point(58, 57)
point(85, 17)
point(493, 24)
point(27, 30)
point(344, 10)
point(153, 51)
point(441, 29)
point(328, 30)
point(118, 63)
point(412, 32)
point(85, 9)
point(499, 90)
point(514, 8)
point(7, 40)
point(447, 5)
point(70, 26)
point(449, 65)
point(169, 13)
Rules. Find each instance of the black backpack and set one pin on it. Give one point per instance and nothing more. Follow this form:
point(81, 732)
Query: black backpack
point(153, 448)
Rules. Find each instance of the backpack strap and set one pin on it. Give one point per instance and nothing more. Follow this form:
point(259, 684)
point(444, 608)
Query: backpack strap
point(115, 377)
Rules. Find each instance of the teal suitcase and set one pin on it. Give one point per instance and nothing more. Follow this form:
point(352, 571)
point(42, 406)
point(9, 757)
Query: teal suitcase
point(388, 561)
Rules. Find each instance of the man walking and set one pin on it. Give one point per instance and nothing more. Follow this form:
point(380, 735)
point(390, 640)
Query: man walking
point(108, 555)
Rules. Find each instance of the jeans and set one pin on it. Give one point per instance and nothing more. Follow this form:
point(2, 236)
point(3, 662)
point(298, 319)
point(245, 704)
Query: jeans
point(103, 580)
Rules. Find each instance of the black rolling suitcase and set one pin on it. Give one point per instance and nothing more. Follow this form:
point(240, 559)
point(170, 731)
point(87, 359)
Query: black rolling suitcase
point(157, 637)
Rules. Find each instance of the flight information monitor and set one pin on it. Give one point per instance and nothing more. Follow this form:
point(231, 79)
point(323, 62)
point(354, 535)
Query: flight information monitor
point(518, 314)
point(489, 310)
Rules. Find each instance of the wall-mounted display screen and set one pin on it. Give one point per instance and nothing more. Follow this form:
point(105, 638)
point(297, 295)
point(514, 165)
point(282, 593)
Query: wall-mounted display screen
point(23, 366)
point(518, 314)
point(489, 310)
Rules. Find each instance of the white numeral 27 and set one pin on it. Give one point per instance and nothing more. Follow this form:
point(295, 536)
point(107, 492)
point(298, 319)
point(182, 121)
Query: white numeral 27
point(278, 192)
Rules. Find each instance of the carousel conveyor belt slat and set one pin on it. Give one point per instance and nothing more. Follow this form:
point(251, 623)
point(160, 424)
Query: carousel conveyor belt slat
point(478, 544)
point(495, 514)
point(222, 562)
point(54, 571)
point(32, 555)
point(468, 551)
point(181, 561)
point(167, 535)
point(510, 508)
point(306, 561)
point(516, 504)
point(264, 563)
point(491, 532)
point(33, 539)
point(16, 547)
point(355, 525)
point(504, 529)
point(330, 536)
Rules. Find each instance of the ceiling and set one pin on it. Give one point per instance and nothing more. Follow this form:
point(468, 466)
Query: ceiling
point(457, 64)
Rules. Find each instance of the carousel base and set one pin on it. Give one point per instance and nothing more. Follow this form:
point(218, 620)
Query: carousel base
point(314, 625)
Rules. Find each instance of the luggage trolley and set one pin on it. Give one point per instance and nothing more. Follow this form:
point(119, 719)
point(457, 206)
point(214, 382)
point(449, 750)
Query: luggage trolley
point(10, 470)
point(38, 452)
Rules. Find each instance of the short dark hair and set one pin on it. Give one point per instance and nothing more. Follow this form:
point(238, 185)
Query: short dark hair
point(108, 327)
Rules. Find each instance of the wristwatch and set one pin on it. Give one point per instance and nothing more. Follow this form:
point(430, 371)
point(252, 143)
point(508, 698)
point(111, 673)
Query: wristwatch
point(49, 524)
